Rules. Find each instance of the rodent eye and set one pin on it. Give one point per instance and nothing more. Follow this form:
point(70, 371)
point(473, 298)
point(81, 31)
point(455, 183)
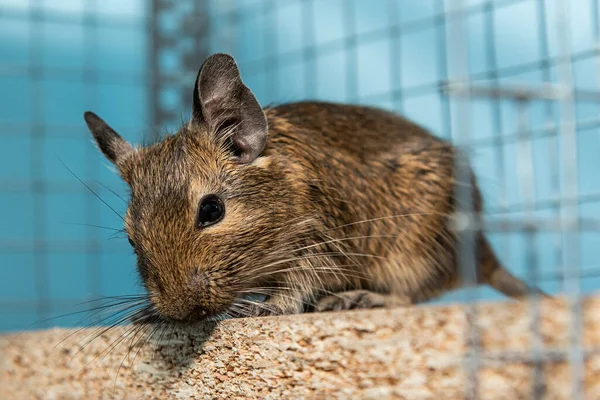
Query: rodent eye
point(210, 211)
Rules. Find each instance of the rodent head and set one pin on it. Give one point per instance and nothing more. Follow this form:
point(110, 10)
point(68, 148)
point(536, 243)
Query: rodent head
point(207, 210)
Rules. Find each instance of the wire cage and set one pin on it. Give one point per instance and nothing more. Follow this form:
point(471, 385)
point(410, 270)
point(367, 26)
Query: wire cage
point(514, 83)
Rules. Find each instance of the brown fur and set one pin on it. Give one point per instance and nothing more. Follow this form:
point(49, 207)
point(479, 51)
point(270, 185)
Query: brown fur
point(326, 168)
point(347, 206)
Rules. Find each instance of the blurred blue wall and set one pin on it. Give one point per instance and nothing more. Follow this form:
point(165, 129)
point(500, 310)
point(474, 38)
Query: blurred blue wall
point(58, 64)
point(52, 69)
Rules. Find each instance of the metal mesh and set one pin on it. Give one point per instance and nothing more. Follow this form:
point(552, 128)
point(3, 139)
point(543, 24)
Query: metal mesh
point(524, 103)
point(567, 218)
point(551, 122)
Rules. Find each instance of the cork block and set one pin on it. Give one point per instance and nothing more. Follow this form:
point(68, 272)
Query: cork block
point(490, 351)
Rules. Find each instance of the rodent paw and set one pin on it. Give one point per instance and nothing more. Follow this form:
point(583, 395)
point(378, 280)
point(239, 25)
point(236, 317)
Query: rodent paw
point(252, 311)
point(358, 299)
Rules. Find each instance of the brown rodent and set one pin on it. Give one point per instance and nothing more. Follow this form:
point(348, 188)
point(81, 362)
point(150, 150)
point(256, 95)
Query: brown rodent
point(314, 205)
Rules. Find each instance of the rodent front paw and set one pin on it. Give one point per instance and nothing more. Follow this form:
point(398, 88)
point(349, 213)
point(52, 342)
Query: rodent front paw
point(356, 299)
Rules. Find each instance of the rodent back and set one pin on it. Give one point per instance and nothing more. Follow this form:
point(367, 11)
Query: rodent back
point(360, 153)
point(346, 181)
point(375, 177)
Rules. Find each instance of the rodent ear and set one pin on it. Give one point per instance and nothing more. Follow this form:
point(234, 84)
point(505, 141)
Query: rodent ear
point(228, 107)
point(112, 145)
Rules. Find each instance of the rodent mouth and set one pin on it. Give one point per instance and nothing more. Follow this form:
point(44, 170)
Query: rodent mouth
point(237, 309)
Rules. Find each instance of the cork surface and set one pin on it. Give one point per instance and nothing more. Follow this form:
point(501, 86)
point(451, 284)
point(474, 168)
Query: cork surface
point(405, 353)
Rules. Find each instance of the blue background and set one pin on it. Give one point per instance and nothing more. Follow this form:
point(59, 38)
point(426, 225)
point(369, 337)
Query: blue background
point(55, 64)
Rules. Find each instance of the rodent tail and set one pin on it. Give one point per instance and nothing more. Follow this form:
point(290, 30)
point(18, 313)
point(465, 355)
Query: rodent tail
point(492, 273)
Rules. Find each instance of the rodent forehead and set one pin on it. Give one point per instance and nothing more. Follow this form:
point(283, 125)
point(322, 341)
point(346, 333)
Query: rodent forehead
point(177, 162)
point(172, 176)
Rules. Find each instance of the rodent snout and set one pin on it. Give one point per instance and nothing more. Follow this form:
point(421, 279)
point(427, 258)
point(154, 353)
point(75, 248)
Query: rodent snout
point(198, 286)
point(195, 300)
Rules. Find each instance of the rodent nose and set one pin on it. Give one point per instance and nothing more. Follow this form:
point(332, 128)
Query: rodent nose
point(198, 283)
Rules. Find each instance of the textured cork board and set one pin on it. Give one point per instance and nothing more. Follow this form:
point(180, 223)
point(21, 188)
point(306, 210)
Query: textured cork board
point(405, 353)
